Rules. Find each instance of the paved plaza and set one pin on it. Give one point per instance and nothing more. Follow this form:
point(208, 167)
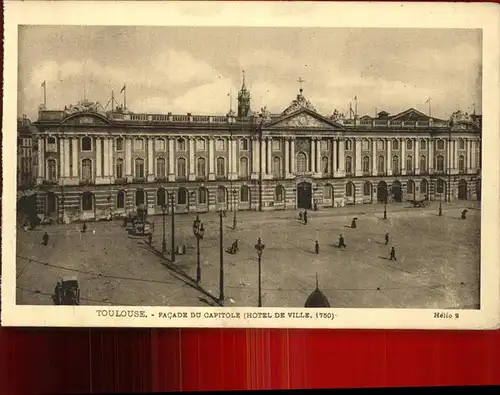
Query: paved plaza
point(437, 260)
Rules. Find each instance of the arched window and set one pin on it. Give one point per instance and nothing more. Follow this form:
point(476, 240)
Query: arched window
point(440, 144)
point(139, 144)
point(51, 170)
point(182, 196)
point(348, 164)
point(395, 144)
point(410, 187)
point(220, 145)
point(119, 144)
point(423, 163)
point(349, 189)
point(200, 145)
point(181, 144)
point(409, 163)
point(140, 197)
point(409, 144)
point(181, 168)
point(161, 197)
point(423, 144)
point(221, 167)
point(367, 189)
point(301, 163)
point(221, 195)
point(277, 167)
point(324, 165)
point(243, 144)
point(424, 186)
point(348, 145)
point(461, 144)
point(244, 194)
point(440, 163)
point(279, 194)
point(243, 167)
point(380, 145)
point(366, 164)
point(86, 144)
point(202, 196)
point(461, 163)
point(87, 201)
point(395, 164)
point(381, 164)
point(139, 168)
point(160, 144)
point(161, 171)
point(440, 186)
point(365, 145)
point(119, 168)
point(120, 199)
point(327, 191)
point(201, 167)
point(86, 169)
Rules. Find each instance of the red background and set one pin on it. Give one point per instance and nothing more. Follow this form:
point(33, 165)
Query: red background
point(47, 361)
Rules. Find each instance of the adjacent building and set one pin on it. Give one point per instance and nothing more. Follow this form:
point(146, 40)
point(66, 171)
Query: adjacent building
point(94, 163)
point(26, 161)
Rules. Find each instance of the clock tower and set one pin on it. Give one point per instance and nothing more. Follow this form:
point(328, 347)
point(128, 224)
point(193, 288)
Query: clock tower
point(243, 100)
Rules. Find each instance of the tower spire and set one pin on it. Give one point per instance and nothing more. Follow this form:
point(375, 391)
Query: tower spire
point(243, 99)
point(243, 84)
point(317, 283)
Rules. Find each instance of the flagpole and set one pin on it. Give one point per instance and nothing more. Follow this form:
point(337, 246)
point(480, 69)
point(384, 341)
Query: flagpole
point(45, 93)
point(429, 101)
point(356, 107)
point(124, 97)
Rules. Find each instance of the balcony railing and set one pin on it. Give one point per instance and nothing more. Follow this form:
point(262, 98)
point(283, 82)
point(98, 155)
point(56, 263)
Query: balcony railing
point(139, 179)
point(86, 182)
point(120, 180)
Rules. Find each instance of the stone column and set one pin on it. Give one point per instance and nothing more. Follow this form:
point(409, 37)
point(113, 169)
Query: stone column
point(430, 159)
point(269, 164)
point(192, 164)
point(255, 158)
point(455, 156)
point(473, 156)
point(171, 159)
point(312, 157)
point(111, 167)
point(75, 173)
point(235, 158)
point(263, 155)
point(319, 170)
point(388, 158)
point(333, 158)
point(358, 168)
point(128, 158)
point(287, 158)
point(374, 157)
point(67, 158)
point(403, 156)
point(292, 156)
point(41, 159)
point(150, 175)
point(98, 157)
point(106, 157)
point(341, 169)
point(211, 159)
point(416, 165)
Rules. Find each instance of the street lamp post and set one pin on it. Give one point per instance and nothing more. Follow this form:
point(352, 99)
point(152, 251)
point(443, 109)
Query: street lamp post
point(259, 247)
point(164, 241)
point(440, 213)
point(260, 161)
point(198, 231)
point(171, 196)
point(221, 266)
point(385, 205)
point(235, 193)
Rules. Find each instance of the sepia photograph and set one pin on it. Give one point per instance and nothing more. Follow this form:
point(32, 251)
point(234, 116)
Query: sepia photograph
point(191, 168)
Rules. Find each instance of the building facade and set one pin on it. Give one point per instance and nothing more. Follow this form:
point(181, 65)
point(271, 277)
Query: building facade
point(96, 163)
point(26, 161)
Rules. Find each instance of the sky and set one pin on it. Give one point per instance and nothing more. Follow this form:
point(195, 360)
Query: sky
point(193, 69)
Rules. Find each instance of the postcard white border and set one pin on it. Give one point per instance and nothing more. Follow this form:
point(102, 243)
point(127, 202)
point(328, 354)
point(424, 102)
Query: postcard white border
point(422, 15)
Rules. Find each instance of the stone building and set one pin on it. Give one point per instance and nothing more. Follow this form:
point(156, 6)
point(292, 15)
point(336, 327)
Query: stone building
point(26, 161)
point(95, 162)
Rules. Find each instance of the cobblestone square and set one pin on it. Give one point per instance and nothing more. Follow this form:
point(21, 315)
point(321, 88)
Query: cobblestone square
point(437, 260)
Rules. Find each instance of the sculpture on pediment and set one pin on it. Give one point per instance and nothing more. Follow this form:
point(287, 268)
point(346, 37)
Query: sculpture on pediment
point(84, 106)
point(265, 113)
point(337, 115)
point(302, 121)
point(299, 103)
point(459, 116)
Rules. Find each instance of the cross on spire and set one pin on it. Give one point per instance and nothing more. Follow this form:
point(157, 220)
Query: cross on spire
point(301, 81)
point(243, 72)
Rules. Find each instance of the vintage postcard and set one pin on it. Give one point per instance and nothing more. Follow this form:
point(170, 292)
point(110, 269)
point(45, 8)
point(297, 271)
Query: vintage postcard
point(291, 165)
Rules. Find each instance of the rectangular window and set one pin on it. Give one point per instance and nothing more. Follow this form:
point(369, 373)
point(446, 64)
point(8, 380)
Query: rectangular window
point(200, 145)
point(160, 145)
point(365, 146)
point(119, 144)
point(324, 145)
point(276, 145)
point(139, 144)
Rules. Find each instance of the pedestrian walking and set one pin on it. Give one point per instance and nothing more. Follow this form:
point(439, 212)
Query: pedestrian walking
point(341, 242)
point(45, 239)
point(316, 247)
point(150, 238)
point(301, 215)
point(84, 227)
point(464, 214)
point(353, 223)
point(305, 217)
point(386, 238)
point(393, 254)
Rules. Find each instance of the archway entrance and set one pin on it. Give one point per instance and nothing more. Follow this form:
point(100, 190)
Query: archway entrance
point(462, 190)
point(424, 189)
point(51, 203)
point(140, 197)
point(396, 191)
point(304, 195)
point(381, 191)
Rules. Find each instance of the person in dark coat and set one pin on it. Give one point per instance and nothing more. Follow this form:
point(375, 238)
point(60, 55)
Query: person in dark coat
point(45, 239)
point(84, 227)
point(386, 238)
point(301, 215)
point(150, 238)
point(316, 247)
point(393, 254)
point(464, 214)
point(353, 223)
point(305, 217)
point(341, 242)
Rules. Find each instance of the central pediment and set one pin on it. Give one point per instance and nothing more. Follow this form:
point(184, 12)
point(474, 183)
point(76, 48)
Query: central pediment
point(303, 119)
